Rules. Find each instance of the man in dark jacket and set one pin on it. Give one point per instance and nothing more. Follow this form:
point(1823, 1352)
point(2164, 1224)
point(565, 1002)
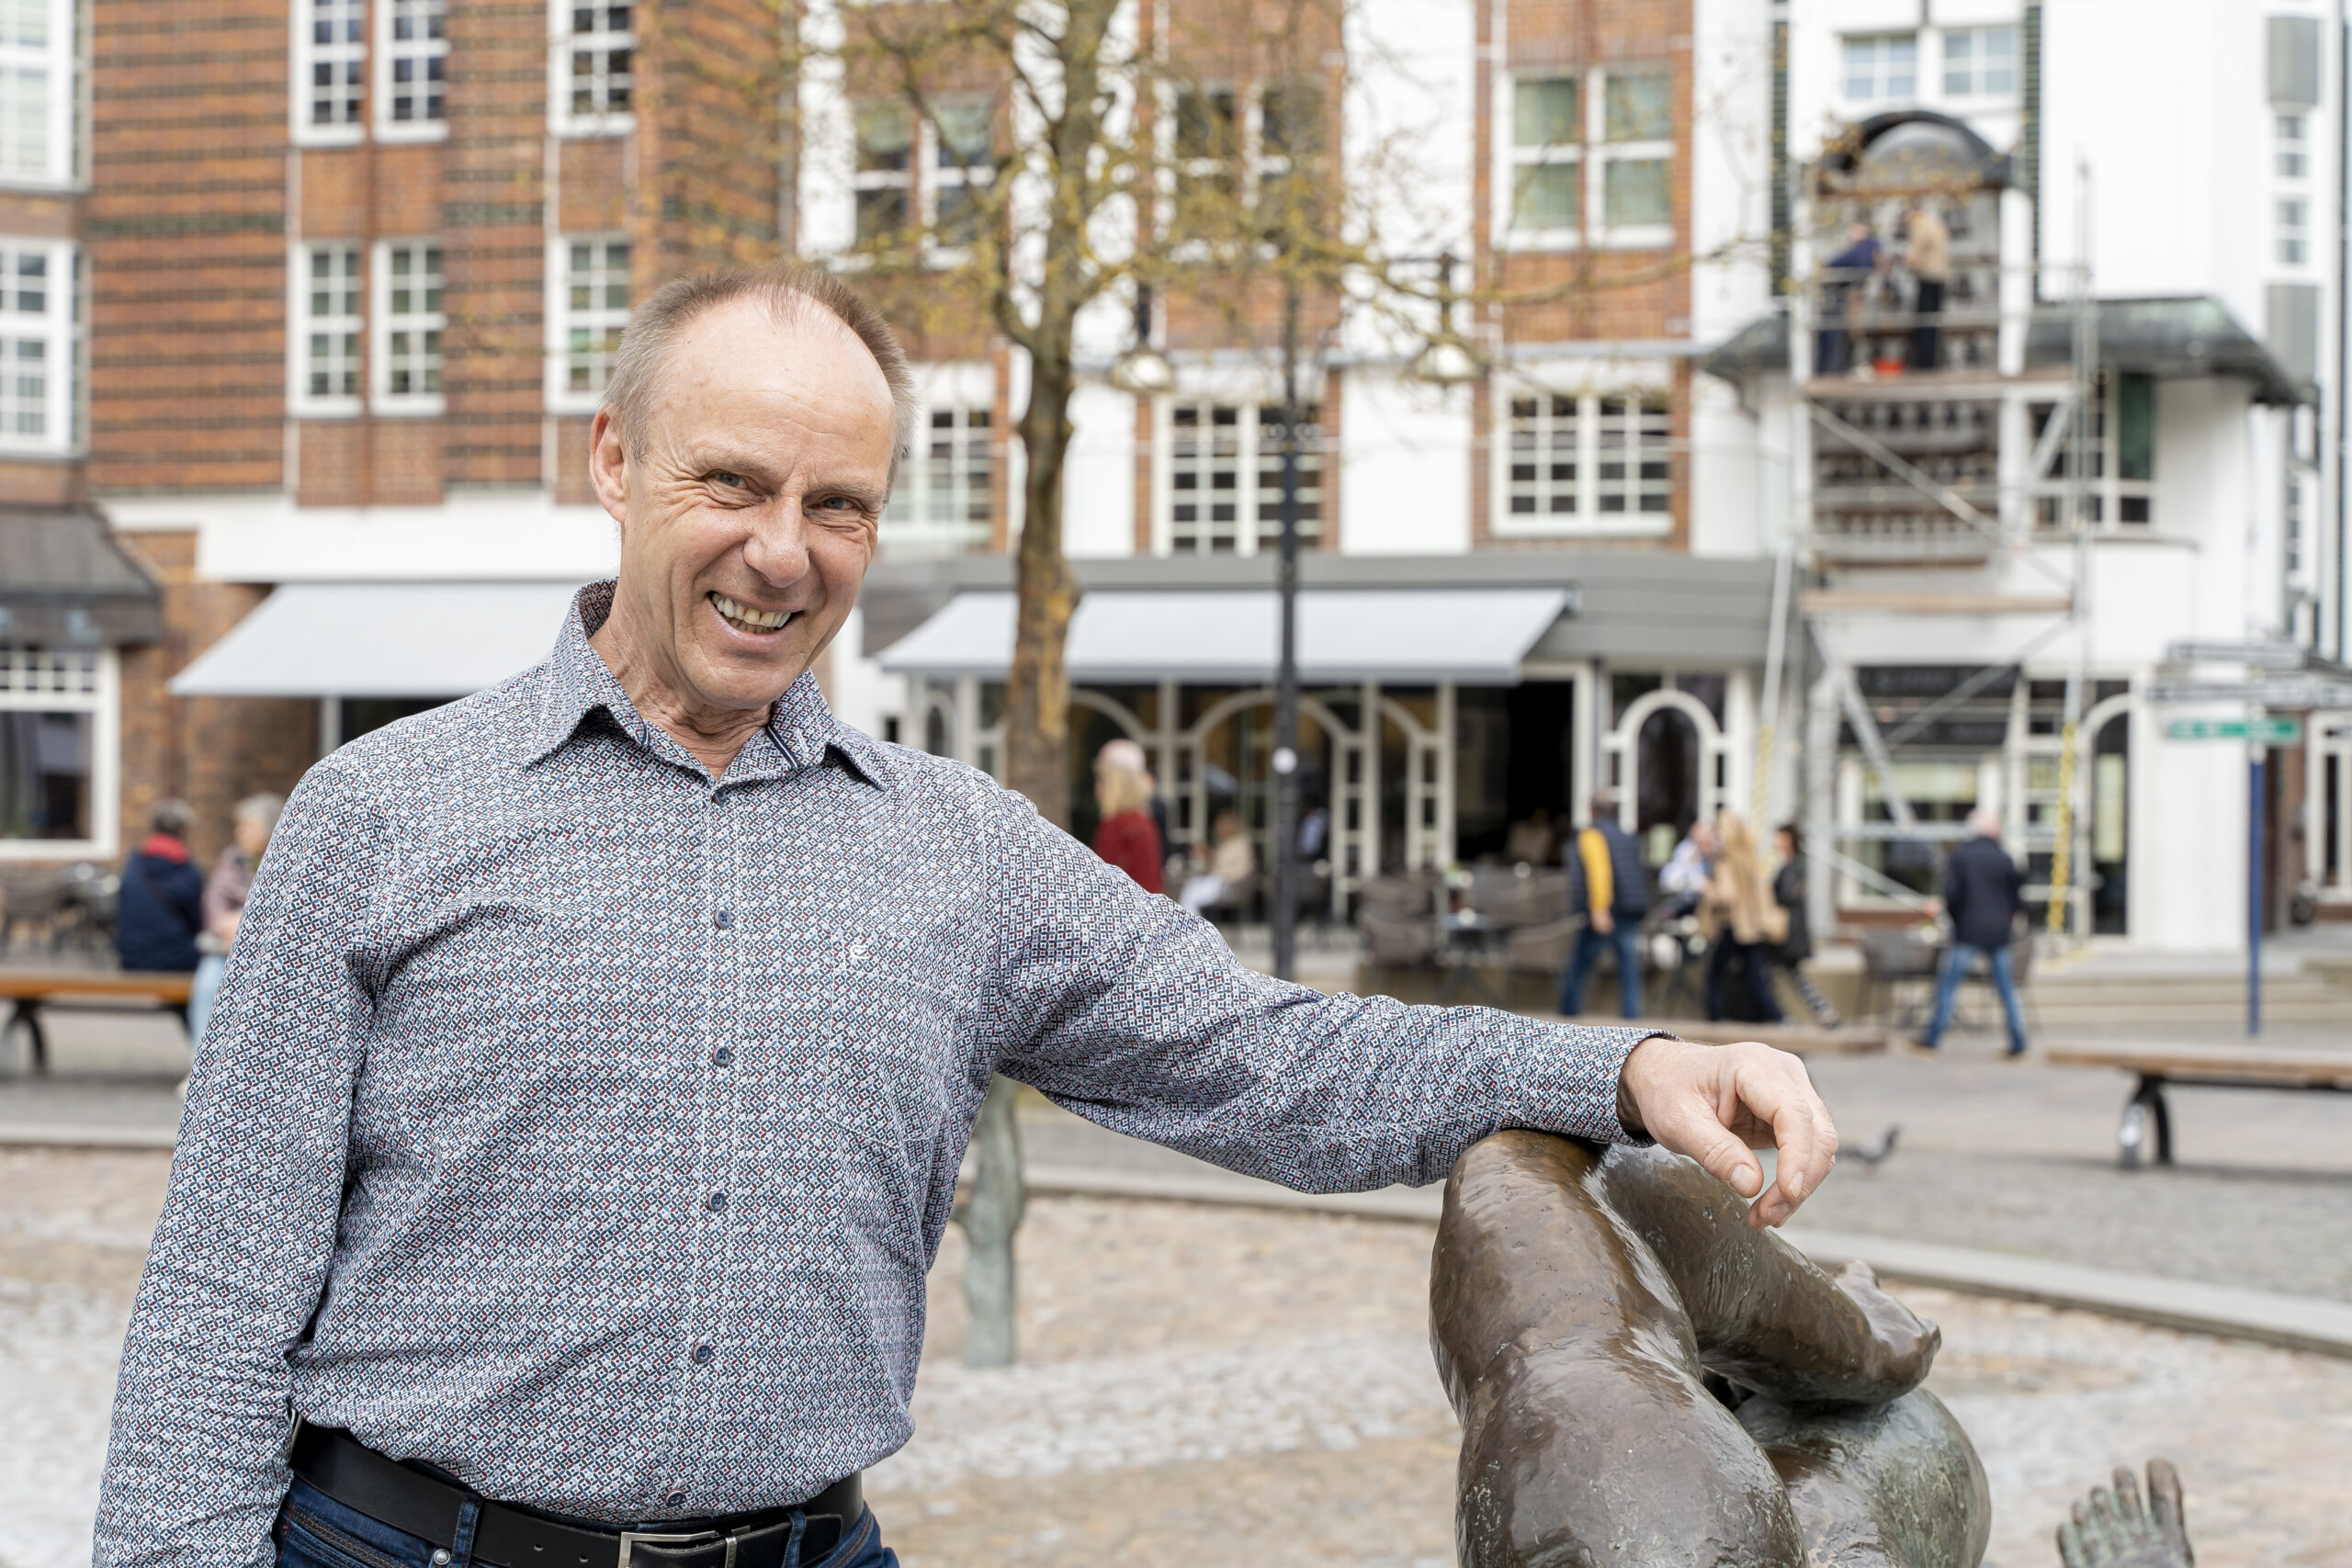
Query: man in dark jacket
point(1610, 888)
point(1982, 887)
point(161, 906)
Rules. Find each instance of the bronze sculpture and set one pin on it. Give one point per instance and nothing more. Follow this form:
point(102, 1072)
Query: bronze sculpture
point(1644, 1381)
point(2112, 1529)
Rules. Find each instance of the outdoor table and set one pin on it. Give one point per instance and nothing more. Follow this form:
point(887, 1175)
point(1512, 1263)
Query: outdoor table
point(1470, 937)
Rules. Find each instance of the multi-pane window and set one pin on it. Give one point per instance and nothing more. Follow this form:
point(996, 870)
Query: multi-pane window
point(1209, 139)
point(1546, 155)
point(36, 90)
point(416, 55)
point(1223, 491)
point(1980, 62)
point(944, 499)
point(409, 324)
point(2293, 134)
point(36, 347)
point(330, 59)
point(2294, 231)
point(592, 71)
point(58, 725)
point(1236, 149)
point(589, 307)
point(1881, 67)
point(327, 324)
point(963, 164)
point(1586, 462)
point(1637, 148)
point(884, 178)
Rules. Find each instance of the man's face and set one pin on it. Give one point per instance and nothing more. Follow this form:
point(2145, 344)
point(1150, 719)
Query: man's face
point(748, 519)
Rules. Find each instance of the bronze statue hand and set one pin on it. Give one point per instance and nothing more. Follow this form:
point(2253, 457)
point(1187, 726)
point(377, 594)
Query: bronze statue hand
point(1716, 1102)
point(2110, 1529)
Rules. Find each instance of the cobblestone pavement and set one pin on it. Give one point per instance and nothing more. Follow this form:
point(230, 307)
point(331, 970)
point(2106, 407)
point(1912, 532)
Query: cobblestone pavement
point(1218, 1385)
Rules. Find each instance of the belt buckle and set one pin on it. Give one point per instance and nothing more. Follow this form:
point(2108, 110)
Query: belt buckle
point(696, 1538)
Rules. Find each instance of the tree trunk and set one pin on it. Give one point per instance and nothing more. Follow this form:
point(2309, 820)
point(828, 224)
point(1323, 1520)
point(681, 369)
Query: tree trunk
point(1036, 711)
point(990, 1218)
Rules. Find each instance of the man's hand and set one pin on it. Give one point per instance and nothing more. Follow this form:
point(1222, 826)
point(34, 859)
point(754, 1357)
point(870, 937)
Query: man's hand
point(1604, 922)
point(1716, 1102)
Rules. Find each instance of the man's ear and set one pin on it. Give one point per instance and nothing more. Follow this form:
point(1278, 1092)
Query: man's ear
point(608, 466)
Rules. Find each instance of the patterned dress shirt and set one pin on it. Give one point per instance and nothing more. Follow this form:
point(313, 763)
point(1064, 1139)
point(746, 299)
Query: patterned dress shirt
point(585, 1126)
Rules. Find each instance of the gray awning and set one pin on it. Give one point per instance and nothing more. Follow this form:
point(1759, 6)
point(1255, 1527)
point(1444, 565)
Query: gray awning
point(1476, 636)
point(381, 639)
point(65, 580)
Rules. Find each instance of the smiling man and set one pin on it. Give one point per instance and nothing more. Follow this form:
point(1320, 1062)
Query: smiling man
point(585, 1095)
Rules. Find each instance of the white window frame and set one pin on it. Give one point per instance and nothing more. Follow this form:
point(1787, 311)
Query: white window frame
point(942, 170)
point(428, 53)
point(56, 328)
point(2292, 216)
point(1593, 157)
point(37, 679)
point(1596, 406)
point(2295, 143)
point(302, 58)
point(947, 452)
point(383, 323)
point(1975, 90)
point(902, 180)
point(55, 61)
point(562, 118)
point(1256, 504)
point(560, 318)
point(1881, 90)
point(299, 323)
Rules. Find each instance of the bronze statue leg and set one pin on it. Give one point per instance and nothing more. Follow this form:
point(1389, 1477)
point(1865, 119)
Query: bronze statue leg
point(1587, 1434)
point(1893, 1485)
point(1763, 1314)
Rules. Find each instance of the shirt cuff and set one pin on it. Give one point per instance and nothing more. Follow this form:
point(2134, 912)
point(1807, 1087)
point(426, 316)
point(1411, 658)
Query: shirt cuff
point(1584, 1096)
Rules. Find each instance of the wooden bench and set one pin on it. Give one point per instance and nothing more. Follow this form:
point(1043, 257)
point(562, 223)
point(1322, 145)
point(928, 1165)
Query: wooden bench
point(2198, 1066)
point(29, 990)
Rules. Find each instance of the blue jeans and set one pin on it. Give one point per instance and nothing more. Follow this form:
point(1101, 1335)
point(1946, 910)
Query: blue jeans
point(1956, 969)
point(202, 991)
point(316, 1532)
point(1627, 939)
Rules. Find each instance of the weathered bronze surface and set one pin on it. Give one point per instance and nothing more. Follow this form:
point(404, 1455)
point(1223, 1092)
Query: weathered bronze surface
point(1644, 1380)
point(2110, 1529)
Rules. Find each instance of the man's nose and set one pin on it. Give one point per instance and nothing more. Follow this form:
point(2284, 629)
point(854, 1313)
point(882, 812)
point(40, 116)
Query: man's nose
point(778, 547)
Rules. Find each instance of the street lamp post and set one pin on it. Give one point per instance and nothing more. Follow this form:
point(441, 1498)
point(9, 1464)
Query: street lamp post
point(1284, 914)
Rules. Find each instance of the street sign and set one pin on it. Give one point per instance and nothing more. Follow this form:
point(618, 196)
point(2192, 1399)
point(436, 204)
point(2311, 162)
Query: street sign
point(2269, 731)
point(2283, 691)
point(2261, 655)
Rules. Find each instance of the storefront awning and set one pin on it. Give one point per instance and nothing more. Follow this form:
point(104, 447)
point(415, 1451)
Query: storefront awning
point(1474, 635)
point(381, 639)
point(65, 581)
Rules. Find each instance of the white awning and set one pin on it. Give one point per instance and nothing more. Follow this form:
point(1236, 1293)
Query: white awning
point(1407, 637)
point(381, 639)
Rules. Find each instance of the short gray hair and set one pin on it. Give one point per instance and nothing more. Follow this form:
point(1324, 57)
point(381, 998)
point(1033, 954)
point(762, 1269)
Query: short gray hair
point(263, 808)
point(655, 327)
point(1985, 822)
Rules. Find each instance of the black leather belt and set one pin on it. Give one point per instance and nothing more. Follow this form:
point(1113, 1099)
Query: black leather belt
point(415, 1503)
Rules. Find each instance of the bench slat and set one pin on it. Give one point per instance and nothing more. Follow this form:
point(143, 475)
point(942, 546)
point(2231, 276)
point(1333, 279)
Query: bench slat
point(41, 987)
point(2247, 1063)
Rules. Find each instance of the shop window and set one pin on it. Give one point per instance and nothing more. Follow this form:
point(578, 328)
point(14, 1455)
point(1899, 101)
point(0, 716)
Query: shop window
point(945, 497)
point(1224, 489)
point(57, 738)
point(588, 301)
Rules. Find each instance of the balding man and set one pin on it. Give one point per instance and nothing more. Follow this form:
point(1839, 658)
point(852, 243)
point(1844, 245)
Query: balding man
point(1983, 895)
point(584, 1099)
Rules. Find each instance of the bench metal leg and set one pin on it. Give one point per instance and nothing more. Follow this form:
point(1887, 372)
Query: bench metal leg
point(25, 1014)
point(2146, 1128)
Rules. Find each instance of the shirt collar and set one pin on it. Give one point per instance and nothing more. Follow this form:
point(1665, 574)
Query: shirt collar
point(576, 681)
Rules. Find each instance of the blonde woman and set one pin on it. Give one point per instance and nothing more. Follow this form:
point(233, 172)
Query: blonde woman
point(1743, 922)
point(1127, 837)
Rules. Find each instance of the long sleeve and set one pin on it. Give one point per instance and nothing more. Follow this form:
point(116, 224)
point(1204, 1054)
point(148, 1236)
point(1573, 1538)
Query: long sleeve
point(1136, 1016)
point(1600, 878)
point(241, 1252)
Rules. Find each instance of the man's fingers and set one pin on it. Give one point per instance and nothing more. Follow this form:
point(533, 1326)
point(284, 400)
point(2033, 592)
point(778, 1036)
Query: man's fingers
point(1773, 1086)
point(1707, 1140)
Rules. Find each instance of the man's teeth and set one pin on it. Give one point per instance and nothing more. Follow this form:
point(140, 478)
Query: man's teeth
point(750, 619)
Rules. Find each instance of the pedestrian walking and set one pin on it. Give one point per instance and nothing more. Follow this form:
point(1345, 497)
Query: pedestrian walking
point(1610, 888)
point(1983, 895)
point(1928, 258)
point(1788, 892)
point(161, 906)
point(1126, 836)
point(1741, 921)
point(579, 1122)
point(1688, 869)
point(225, 891)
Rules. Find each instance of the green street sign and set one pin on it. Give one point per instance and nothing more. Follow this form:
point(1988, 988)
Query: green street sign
point(2269, 731)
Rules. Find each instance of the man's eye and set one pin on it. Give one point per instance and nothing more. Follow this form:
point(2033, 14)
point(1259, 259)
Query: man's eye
point(732, 480)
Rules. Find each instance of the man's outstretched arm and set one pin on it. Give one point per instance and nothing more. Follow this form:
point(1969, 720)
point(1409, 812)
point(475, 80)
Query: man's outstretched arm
point(1137, 1015)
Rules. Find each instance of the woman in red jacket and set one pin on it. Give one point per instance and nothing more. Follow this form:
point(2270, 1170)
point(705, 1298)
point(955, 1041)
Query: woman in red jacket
point(1128, 837)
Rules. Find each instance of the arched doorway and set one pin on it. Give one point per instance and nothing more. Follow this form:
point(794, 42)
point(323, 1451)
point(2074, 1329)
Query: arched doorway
point(2104, 839)
point(1670, 764)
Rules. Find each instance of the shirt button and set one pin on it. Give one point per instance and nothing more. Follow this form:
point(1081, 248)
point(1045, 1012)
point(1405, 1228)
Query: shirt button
point(674, 1498)
point(723, 1057)
point(723, 918)
point(718, 1202)
point(703, 1354)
